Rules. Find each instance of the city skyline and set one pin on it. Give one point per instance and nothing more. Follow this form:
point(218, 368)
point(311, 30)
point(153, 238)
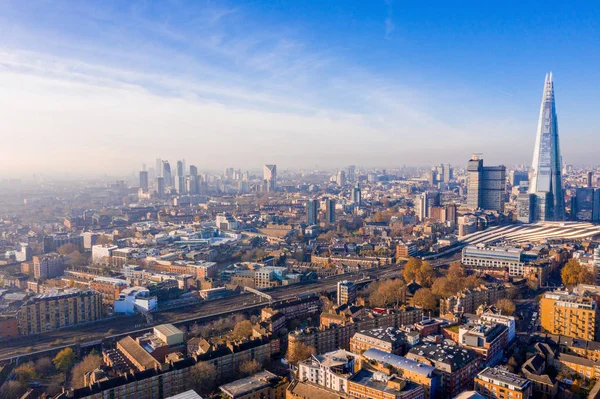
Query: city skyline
point(112, 85)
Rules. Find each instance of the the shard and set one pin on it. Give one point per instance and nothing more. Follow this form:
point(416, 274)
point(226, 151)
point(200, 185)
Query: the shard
point(545, 182)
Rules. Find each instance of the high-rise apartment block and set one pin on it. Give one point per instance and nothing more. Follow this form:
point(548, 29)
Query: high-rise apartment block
point(329, 211)
point(346, 292)
point(312, 211)
point(546, 180)
point(49, 266)
point(571, 315)
point(356, 195)
point(487, 185)
point(425, 202)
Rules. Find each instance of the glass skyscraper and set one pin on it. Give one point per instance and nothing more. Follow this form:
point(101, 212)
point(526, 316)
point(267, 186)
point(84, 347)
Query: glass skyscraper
point(545, 183)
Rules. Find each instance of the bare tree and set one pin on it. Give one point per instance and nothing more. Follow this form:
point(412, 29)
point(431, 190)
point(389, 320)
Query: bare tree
point(250, 367)
point(89, 363)
point(203, 378)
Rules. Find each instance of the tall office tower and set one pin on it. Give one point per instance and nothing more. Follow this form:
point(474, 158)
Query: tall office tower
point(144, 167)
point(432, 177)
point(330, 211)
point(160, 186)
point(340, 178)
point(585, 204)
point(525, 207)
point(590, 179)
point(144, 180)
point(447, 172)
point(351, 174)
point(546, 179)
point(270, 177)
point(312, 211)
point(357, 195)
point(166, 174)
point(487, 186)
point(515, 177)
point(180, 169)
point(159, 167)
point(181, 185)
point(229, 172)
point(193, 170)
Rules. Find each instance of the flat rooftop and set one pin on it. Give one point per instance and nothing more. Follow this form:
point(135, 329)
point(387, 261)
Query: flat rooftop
point(248, 385)
point(504, 376)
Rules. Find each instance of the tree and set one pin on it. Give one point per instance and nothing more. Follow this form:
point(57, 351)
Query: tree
point(387, 292)
point(12, 390)
point(44, 366)
point(298, 351)
point(411, 269)
point(424, 298)
point(250, 367)
point(570, 273)
point(89, 363)
point(425, 275)
point(242, 330)
point(456, 271)
point(443, 288)
point(203, 378)
point(586, 276)
point(103, 240)
point(67, 249)
point(25, 373)
point(64, 360)
point(506, 306)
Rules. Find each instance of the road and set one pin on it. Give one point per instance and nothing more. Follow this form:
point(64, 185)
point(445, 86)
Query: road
point(115, 328)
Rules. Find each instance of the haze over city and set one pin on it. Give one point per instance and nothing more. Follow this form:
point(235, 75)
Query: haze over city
point(90, 87)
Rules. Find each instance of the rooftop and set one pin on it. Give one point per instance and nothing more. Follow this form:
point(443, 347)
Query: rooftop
point(248, 385)
point(186, 395)
point(385, 334)
point(138, 353)
point(452, 356)
point(497, 374)
point(168, 329)
point(399, 362)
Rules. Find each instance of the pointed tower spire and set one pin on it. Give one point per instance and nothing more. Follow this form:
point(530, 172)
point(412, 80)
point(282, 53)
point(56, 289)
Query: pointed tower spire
point(546, 179)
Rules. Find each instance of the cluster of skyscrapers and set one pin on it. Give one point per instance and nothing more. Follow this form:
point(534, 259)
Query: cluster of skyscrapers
point(544, 199)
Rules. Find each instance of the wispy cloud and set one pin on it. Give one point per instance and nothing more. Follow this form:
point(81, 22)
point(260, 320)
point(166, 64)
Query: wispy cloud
point(194, 85)
point(390, 27)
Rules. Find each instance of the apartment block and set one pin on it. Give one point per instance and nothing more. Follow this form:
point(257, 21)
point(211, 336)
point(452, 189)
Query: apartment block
point(494, 383)
point(468, 300)
point(328, 339)
point(58, 309)
point(570, 315)
point(390, 340)
point(456, 366)
point(419, 373)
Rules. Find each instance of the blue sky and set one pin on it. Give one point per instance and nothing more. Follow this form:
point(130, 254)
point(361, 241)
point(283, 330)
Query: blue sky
point(108, 85)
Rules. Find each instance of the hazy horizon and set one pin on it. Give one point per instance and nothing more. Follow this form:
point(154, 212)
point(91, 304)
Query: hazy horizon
point(101, 88)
